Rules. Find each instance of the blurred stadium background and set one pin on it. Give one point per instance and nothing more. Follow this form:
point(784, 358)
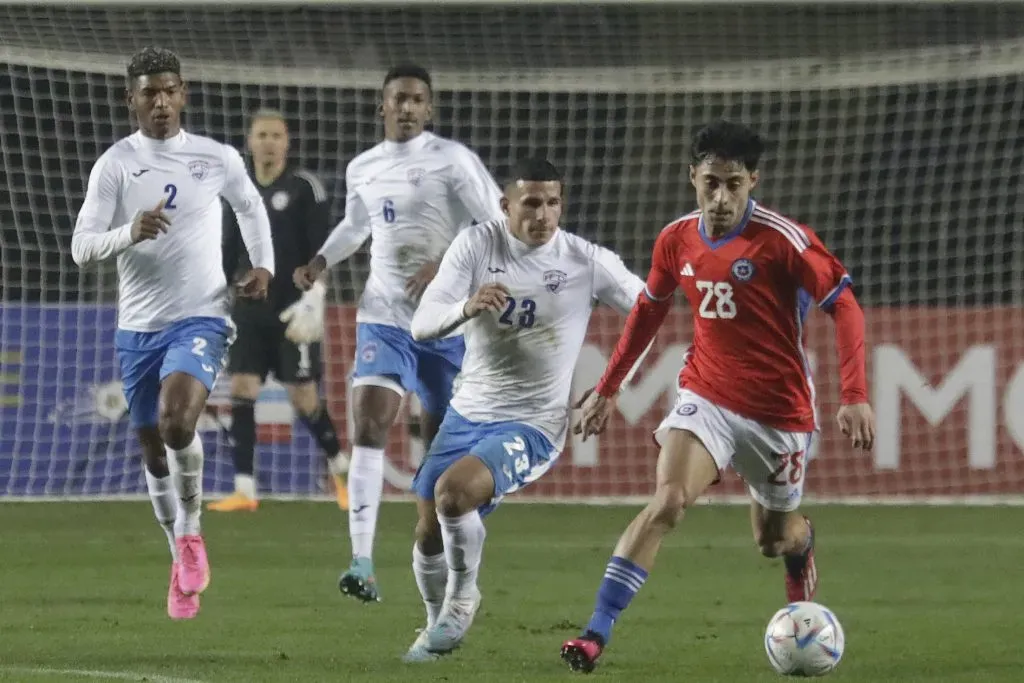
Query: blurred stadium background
point(896, 131)
point(897, 135)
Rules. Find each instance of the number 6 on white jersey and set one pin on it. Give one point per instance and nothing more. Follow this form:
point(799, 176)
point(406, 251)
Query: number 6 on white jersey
point(721, 294)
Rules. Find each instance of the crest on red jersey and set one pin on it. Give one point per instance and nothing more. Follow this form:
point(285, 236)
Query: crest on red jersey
point(743, 269)
point(554, 279)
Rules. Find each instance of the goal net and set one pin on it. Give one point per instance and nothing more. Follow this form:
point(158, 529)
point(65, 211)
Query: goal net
point(896, 135)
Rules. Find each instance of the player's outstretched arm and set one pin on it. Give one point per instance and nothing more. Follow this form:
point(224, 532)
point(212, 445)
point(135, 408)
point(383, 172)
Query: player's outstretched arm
point(93, 240)
point(645, 317)
point(253, 224)
point(342, 242)
point(855, 418)
point(821, 274)
point(305, 317)
point(445, 303)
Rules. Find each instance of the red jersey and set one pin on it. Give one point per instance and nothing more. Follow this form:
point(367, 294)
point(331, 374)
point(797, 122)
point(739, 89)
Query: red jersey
point(750, 292)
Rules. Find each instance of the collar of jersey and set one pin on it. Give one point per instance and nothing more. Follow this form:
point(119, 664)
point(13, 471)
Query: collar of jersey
point(521, 249)
point(168, 145)
point(409, 146)
point(732, 234)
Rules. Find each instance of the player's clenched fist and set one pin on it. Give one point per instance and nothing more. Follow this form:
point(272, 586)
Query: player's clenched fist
point(305, 276)
point(490, 297)
point(151, 223)
point(857, 421)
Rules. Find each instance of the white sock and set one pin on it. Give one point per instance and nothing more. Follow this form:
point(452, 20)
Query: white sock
point(186, 468)
point(246, 485)
point(365, 485)
point(165, 506)
point(432, 578)
point(463, 548)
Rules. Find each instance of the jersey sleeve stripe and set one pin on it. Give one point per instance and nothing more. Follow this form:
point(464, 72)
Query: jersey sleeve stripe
point(790, 230)
point(684, 217)
point(319, 193)
point(830, 298)
point(650, 296)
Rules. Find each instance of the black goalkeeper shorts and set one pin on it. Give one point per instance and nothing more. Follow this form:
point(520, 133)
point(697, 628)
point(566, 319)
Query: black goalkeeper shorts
point(261, 348)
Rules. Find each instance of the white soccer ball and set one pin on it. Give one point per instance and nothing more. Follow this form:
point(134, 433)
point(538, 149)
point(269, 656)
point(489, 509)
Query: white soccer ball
point(804, 639)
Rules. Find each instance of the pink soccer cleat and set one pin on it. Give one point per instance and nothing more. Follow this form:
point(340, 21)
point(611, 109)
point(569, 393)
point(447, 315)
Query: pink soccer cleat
point(179, 605)
point(194, 575)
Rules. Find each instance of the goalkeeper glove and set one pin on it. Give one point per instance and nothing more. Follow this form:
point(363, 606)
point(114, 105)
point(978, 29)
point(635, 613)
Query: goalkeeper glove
point(305, 317)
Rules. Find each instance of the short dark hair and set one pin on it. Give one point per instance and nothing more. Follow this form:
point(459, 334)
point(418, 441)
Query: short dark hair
point(408, 71)
point(153, 60)
point(727, 141)
point(537, 169)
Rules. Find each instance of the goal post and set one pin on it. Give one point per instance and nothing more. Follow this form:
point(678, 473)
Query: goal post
point(895, 133)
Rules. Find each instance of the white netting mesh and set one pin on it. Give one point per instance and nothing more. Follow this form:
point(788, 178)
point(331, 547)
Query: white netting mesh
point(898, 138)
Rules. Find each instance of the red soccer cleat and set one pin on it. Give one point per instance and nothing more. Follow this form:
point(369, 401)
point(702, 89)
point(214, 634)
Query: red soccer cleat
point(581, 653)
point(801, 574)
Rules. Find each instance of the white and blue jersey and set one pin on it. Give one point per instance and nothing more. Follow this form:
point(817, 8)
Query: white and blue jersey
point(511, 406)
point(172, 293)
point(410, 199)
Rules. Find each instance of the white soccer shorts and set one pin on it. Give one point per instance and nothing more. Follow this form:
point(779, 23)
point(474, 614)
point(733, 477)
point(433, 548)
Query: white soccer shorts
point(772, 462)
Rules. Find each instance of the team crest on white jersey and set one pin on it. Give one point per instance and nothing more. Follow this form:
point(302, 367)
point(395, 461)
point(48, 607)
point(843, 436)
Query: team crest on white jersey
point(279, 200)
point(554, 279)
point(743, 269)
point(198, 169)
point(686, 409)
point(415, 176)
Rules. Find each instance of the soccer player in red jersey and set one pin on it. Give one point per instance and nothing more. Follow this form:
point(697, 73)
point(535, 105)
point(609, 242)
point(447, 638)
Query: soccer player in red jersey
point(745, 393)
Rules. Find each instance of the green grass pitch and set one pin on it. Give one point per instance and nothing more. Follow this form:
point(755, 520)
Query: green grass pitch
point(925, 594)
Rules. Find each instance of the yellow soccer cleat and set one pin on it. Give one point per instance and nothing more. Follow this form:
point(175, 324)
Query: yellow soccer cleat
point(236, 502)
point(340, 490)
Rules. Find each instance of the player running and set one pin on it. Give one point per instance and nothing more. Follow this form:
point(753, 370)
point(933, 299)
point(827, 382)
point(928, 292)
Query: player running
point(745, 396)
point(283, 333)
point(411, 193)
point(160, 189)
point(527, 290)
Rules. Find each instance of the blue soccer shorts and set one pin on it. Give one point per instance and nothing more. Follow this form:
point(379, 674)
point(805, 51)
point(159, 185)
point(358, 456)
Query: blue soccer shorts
point(515, 453)
point(196, 346)
point(427, 368)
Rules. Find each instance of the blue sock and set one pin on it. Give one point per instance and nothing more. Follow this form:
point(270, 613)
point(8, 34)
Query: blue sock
point(622, 580)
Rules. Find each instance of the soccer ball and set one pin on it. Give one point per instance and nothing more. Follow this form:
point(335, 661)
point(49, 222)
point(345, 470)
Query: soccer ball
point(804, 639)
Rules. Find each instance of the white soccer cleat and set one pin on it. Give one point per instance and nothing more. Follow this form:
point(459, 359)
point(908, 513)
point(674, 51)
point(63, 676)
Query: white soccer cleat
point(452, 625)
point(418, 652)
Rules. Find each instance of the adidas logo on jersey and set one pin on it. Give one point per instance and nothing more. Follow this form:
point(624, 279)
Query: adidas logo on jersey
point(687, 270)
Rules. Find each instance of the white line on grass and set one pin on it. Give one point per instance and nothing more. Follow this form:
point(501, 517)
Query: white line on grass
point(90, 673)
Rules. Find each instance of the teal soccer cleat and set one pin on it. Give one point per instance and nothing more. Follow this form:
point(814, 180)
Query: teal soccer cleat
point(358, 580)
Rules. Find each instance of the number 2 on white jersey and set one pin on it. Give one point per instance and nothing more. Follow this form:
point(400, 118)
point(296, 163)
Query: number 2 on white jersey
point(717, 301)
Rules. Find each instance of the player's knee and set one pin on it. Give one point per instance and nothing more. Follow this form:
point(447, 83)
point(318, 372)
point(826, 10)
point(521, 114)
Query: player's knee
point(451, 498)
point(670, 504)
point(371, 431)
point(304, 399)
point(177, 429)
